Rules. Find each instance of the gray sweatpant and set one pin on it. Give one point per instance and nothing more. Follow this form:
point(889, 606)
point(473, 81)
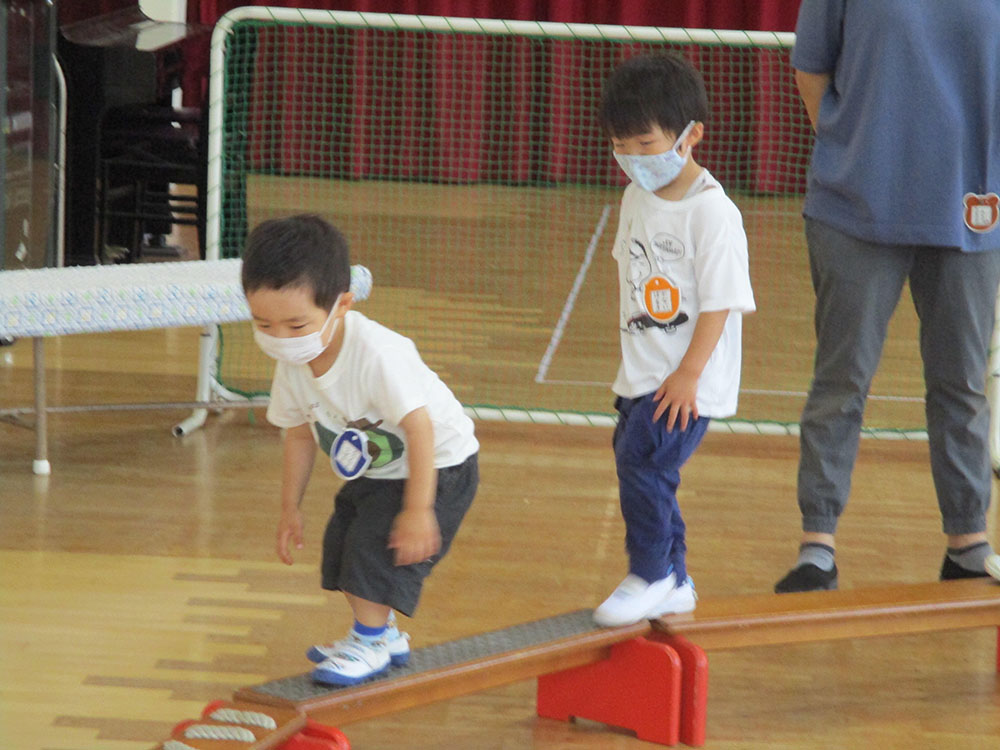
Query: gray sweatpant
point(858, 285)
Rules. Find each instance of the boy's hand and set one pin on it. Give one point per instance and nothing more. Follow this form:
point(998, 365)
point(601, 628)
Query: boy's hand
point(415, 535)
point(289, 530)
point(677, 397)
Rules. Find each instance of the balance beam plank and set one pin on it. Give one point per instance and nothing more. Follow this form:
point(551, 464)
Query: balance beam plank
point(447, 670)
point(766, 619)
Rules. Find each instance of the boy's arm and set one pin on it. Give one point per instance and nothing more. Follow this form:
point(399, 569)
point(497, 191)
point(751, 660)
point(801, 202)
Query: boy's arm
point(680, 388)
point(415, 534)
point(297, 462)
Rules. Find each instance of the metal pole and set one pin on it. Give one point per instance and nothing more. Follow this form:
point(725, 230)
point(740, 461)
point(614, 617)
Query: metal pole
point(41, 464)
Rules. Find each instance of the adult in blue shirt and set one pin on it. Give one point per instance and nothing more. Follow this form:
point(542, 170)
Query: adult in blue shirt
point(904, 96)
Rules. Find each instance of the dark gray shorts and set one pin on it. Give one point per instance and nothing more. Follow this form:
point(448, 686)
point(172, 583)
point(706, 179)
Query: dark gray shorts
point(356, 557)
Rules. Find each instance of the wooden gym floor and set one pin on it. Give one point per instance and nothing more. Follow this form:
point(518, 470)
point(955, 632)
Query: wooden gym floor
point(511, 293)
point(139, 582)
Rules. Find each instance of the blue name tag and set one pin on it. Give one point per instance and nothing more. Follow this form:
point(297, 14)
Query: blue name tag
point(349, 454)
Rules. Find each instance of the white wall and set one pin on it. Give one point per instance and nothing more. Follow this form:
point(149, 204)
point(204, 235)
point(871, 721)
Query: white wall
point(164, 10)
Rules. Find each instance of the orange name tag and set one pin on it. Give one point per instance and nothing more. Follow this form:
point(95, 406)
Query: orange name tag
point(662, 298)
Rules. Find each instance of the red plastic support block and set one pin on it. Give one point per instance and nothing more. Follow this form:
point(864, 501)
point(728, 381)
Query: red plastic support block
point(637, 687)
point(316, 736)
point(694, 688)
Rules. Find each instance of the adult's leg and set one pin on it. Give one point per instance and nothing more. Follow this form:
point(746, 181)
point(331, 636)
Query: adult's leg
point(857, 285)
point(954, 294)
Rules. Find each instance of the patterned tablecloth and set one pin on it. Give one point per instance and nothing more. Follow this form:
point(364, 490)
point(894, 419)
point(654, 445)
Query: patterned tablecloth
point(90, 299)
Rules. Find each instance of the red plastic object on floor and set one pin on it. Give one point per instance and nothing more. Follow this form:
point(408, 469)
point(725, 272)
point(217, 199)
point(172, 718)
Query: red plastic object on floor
point(313, 736)
point(637, 687)
point(317, 736)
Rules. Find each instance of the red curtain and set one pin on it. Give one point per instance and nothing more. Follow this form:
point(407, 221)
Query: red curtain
point(766, 15)
point(569, 137)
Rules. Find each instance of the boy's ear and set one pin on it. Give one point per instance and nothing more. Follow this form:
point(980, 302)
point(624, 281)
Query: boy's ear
point(346, 301)
point(695, 136)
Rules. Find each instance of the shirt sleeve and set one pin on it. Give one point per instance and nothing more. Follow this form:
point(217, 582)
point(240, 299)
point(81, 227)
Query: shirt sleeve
point(818, 36)
point(399, 381)
point(722, 262)
point(284, 410)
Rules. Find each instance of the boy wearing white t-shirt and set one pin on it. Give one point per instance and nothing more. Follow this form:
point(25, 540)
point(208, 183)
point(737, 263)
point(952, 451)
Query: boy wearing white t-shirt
point(684, 287)
point(386, 422)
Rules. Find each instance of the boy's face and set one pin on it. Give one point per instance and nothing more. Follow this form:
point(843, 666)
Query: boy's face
point(287, 312)
point(653, 141)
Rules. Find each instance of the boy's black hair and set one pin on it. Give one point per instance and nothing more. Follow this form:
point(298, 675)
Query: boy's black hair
point(652, 89)
point(298, 251)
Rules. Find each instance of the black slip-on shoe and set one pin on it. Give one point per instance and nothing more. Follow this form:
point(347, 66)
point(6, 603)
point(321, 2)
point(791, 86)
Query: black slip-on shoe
point(807, 577)
point(952, 571)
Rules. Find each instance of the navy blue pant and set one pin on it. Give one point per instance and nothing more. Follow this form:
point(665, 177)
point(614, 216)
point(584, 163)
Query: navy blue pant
point(649, 459)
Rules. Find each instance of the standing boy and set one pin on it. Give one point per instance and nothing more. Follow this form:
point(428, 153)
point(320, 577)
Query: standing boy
point(390, 426)
point(685, 285)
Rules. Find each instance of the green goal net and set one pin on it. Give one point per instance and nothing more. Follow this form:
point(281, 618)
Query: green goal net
point(462, 160)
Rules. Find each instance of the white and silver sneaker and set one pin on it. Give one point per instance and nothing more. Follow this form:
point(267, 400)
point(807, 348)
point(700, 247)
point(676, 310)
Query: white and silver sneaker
point(682, 599)
point(399, 646)
point(353, 661)
point(634, 600)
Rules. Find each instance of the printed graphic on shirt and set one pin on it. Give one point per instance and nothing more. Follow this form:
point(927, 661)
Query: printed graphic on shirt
point(349, 455)
point(981, 212)
point(655, 300)
point(383, 447)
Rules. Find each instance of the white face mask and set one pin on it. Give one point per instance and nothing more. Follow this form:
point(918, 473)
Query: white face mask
point(654, 171)
point(296, 350)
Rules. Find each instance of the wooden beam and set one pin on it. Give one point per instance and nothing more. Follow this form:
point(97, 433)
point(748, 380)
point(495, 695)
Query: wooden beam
point(500, 657)
point(767, 619)
point(403, 688)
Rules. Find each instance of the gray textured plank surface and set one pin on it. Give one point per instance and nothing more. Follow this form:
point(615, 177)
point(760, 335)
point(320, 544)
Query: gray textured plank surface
point(484, 645)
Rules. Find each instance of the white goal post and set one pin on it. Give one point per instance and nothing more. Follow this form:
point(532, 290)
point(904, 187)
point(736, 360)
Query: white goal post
point(210, 385)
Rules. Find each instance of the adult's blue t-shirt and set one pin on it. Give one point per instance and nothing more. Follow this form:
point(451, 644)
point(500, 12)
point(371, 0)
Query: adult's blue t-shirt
point(910, 123)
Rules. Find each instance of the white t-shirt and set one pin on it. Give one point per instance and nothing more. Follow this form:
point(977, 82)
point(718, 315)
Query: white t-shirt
point(377, 379)
point(675, 260)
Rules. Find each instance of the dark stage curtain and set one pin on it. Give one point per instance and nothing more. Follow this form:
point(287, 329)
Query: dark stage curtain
point(73, 11)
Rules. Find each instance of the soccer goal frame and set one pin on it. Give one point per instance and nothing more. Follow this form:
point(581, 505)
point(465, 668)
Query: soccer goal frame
point(209, 385)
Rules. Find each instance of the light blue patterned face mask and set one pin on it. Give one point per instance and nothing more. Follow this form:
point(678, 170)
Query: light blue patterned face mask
point(654, 171)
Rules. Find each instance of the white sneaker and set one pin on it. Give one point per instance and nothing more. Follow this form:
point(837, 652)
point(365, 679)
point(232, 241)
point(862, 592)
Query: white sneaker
point(353, 661)
point(682, 599)
point(399, 646)
point(992, 565)
point(634, 600)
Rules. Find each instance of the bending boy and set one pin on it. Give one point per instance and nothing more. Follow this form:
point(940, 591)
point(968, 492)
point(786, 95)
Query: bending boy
point(392, 429)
